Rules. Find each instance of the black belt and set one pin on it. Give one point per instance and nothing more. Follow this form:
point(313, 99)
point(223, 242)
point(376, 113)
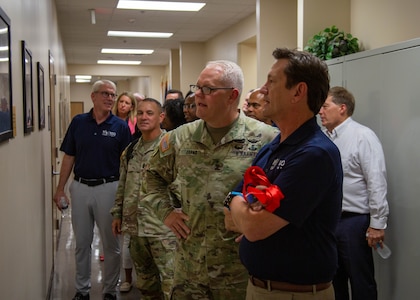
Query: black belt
point(95, 182)
point(348, 214)
point(289, 287)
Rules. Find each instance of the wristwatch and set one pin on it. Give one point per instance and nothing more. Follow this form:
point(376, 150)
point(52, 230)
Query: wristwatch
point(229, 198)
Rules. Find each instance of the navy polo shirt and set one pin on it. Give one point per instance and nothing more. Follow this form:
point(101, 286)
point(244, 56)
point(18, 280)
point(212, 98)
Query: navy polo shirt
point(307, 168)
point(96, 147)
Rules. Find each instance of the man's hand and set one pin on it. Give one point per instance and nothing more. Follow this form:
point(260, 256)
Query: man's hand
point(116, 226)
point(229, 224)
point(375, 236)
point(175, 222)
point(57, 196)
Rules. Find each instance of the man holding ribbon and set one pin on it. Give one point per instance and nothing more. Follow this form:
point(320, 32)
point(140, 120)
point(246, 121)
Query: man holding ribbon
point(200, 162)
point(290, 201)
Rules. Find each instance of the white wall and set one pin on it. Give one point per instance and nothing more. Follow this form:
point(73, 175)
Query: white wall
point(133, 76)
point(225, 45)
point(25, 179)
point(379, 23)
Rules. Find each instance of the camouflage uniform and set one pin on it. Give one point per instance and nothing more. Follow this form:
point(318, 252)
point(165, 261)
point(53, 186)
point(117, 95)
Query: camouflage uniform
point(152, 244)
point(200, 174)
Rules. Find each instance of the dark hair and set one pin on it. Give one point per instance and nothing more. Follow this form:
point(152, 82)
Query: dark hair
point(342, 96)
point(174, 110)
point(153, 100)
point(305, 67)
point(188, 94)
point(173, 91)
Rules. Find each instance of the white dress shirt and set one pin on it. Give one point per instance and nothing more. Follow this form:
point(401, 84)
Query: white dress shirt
point(364, 181)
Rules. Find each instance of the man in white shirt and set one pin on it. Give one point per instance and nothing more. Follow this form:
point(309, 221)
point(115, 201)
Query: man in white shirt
point(365, 207)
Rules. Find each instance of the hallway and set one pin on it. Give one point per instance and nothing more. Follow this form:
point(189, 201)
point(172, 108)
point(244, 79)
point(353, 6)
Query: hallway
point(64, 273)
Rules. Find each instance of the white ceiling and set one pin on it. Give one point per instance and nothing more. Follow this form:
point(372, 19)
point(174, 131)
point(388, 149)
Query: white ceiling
point(83, 41)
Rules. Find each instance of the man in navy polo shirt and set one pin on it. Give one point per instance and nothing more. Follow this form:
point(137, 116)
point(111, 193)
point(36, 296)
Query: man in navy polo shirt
point(92, 145)
point(290, 250)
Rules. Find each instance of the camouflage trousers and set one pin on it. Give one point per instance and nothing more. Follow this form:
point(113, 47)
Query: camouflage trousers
point(153, 260)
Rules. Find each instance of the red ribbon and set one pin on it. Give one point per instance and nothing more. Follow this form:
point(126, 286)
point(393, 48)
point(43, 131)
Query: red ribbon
point(269, 197)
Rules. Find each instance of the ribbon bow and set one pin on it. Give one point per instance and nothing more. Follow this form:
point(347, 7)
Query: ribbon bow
point(257, 187)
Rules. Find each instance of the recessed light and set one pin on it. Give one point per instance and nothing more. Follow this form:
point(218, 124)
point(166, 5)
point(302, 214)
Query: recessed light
point(127, 51)
point(119, 62)
point(160, 5)
point(82, 80)
point(140, 34)
point(83, 77)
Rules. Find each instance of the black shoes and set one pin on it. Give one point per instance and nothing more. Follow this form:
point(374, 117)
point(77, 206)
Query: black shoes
point(80, 296)
point(108, 296)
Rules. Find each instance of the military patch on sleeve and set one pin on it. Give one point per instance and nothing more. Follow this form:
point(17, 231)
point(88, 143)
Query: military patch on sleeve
point(164, 143)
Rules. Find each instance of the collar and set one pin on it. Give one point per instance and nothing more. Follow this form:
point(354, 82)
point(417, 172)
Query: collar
point(338, 130)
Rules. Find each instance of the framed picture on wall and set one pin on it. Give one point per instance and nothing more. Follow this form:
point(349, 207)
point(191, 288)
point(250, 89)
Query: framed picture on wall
point(6, 115)
point(41, 97)
point(28, 98)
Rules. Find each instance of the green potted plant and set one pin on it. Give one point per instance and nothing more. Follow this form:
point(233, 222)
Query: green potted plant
point(331, 43)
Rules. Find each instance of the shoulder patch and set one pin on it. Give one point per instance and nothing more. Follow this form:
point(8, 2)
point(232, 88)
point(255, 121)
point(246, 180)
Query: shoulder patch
point(164, 143)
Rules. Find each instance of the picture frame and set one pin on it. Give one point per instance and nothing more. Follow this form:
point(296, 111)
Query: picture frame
point(6, 103)
point(41, 96)
point(28, 96)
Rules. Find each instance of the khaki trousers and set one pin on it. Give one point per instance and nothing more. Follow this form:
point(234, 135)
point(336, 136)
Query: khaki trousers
point(257, 293)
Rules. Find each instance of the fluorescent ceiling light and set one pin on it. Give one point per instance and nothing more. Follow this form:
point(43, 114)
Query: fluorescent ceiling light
point(3, 59)
point(160, 5)
point(83, 77)
point(82, 80)
point(119, 62)
point(140, 34)
point(127, 51)
point(4, 48)
point(4, 30)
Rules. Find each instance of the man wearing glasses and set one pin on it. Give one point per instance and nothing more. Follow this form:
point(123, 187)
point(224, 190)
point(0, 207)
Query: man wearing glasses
point(190, 108)
point(201, 162)
point(92, 145)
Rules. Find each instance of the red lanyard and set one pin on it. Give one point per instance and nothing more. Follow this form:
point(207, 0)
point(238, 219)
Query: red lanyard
point(257, 187)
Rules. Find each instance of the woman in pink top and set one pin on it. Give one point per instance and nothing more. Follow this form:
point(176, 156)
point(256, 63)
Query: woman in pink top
point(126, 108)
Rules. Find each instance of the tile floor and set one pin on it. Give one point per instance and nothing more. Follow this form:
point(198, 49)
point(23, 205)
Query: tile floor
point(64, 273)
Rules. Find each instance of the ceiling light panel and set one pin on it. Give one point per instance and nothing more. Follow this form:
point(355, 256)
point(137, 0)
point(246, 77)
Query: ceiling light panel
point(160, 5)
point(140, 34)
point(83, 77)
point(119, 62)
point(82, 80)
point(127, 51)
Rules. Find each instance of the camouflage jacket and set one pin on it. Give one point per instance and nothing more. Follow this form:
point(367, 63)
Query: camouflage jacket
point(136, 219)
point(200, 174)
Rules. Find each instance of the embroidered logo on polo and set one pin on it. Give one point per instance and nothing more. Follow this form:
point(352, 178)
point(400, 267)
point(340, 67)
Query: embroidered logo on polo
point(277, 164)
point(109, 133)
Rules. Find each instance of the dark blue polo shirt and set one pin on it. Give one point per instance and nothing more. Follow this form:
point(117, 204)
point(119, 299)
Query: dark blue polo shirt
point(96, 147)
point(307, 168)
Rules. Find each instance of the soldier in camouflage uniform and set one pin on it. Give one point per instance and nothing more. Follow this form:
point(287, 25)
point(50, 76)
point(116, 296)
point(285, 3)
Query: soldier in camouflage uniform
point(152, 244)
point(202, 162)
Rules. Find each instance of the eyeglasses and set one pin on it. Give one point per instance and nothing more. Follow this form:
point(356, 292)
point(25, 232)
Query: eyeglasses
point(189, 106)
point(207, 90)
point(106, 95)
